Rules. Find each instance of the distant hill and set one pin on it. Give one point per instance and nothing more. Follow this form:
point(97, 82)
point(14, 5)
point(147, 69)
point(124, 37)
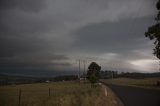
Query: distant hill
point(139, 75)
point(12, 79)
point(9, 79)
point(114, 74)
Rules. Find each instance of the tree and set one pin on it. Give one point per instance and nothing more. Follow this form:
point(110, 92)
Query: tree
point(153, 33)
point(93, 79)
point(93, 72)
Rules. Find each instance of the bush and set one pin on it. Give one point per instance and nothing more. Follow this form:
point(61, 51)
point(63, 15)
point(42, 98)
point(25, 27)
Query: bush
point(158, 83)
point(93, 79)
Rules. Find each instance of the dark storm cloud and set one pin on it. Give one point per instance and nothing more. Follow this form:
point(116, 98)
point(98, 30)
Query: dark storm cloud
point(22, 30)
point(41, 60)
point(118, 44)
point(24, 5)
point(33, 57)
point(122, 36)
point(52, 33)
point(18, 29)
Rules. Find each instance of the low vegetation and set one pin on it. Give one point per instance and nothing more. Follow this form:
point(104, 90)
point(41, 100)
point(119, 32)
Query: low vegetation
point(56, 94)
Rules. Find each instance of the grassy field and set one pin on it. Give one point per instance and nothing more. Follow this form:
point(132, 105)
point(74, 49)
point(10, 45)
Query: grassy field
point(60, 94)
point(146, 82)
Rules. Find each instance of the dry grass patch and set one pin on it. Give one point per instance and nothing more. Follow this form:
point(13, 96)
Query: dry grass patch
point(61, 94)
point(146, 82)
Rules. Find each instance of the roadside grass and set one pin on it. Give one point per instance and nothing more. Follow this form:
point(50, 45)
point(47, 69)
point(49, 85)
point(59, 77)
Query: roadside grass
point(146, 82)
point(69, 93)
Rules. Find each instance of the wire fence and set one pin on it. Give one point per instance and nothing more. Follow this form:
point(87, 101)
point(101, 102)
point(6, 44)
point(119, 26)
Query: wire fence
point(29, 96)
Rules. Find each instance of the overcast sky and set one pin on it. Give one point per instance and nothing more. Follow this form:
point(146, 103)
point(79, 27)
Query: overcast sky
point(53, 34)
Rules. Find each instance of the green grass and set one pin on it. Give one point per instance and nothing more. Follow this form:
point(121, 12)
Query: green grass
point(61, 94)
point(146, 82)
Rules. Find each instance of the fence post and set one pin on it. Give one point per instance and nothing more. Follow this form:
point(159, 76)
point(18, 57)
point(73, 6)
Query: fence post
point(19, 97)
point(49, 92)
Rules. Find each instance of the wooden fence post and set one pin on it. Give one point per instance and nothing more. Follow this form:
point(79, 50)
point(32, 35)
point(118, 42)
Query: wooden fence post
point(49, 92)
point(19, 97)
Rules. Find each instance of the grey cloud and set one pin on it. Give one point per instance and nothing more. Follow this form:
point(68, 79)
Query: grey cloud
point(41, 60)
point(42, 32)
point(24, 5)
point(124, 38)
point(113, 37)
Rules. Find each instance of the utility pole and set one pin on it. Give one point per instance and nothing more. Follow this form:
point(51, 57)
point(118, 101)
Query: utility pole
point(79, 67)
point(84, 76)
point(20, 94)
point(112, 74)
point(84, 66)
